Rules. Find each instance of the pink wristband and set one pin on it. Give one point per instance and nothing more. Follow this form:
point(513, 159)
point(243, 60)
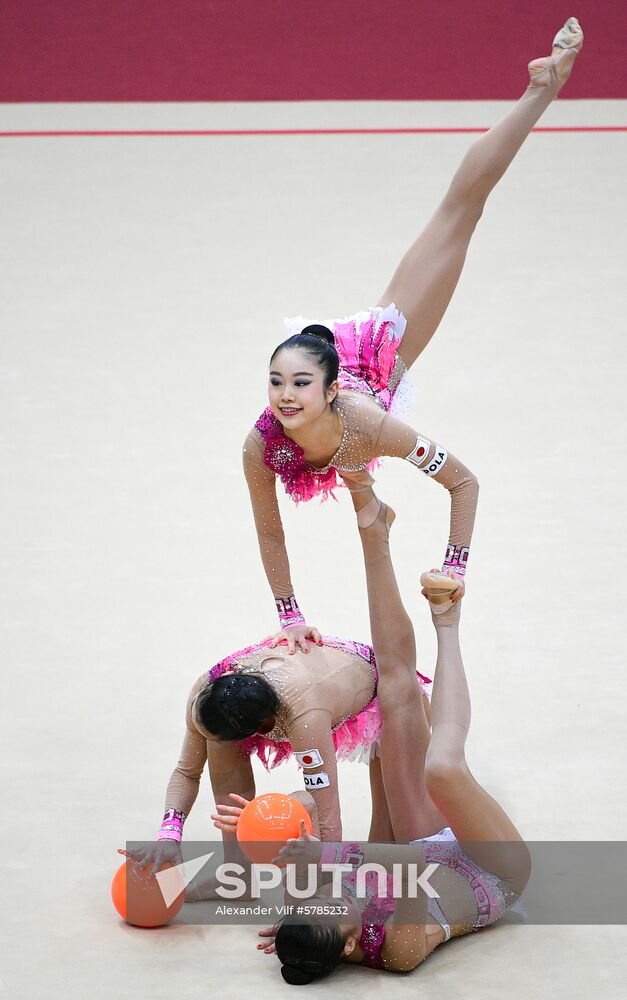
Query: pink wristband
point(172, 825)
point(289, 612)
point(456, 558)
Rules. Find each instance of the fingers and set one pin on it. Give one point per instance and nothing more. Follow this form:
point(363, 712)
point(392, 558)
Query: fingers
point(461, 590)
point(228, 823)
point(238, 798)
point(287, 853)
point(268, 932)
point(139, 857)
point(226, 820)
point(297, 637)
point(317, 638)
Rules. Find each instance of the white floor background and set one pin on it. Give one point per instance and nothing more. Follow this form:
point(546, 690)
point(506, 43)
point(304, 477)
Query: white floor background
point(144, 285)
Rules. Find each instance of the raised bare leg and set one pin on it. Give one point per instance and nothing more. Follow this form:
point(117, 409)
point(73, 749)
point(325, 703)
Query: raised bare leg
point(405, 732)
point(425, 280)
point(477, 820)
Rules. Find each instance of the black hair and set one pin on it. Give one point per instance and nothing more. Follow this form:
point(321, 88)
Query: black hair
point(308, 951)
point(318, 341)
point(236, 706)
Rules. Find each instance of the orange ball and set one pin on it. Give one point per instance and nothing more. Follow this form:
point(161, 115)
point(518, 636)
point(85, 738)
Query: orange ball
point(267, 823)
point(138, 897)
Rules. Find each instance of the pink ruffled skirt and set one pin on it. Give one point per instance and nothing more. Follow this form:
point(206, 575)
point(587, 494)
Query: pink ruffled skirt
point(367, 344)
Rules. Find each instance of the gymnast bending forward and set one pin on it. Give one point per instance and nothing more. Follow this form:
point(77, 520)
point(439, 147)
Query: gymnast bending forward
point(334, 391)
point(259, 701)
point(422, 792)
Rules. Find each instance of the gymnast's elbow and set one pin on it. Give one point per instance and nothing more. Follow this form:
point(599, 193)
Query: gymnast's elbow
point(184, 777)
point(468, 484)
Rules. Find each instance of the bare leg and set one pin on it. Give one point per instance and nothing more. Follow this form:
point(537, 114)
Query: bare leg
point(405, 733)
point(381, 831)
point(473, 815)
point(426, 278)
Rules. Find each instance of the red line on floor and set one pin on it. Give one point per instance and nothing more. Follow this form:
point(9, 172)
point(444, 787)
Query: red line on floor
point(291, 131)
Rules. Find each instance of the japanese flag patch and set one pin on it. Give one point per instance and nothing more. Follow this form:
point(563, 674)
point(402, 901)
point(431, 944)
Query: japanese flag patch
point(309, 758)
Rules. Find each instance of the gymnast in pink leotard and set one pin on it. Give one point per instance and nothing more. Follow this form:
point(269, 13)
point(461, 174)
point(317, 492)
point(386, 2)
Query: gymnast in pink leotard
point(336, 390)
point(258, 701)
point(425, 799)
point(426, 803)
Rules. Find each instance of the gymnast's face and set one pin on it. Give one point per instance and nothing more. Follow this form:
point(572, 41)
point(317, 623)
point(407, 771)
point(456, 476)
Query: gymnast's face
point(296, 389)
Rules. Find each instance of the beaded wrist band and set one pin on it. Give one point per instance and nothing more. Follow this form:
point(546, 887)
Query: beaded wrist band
point(289, 612)
point(341, 854)
point(455, 559)
point(172, 825)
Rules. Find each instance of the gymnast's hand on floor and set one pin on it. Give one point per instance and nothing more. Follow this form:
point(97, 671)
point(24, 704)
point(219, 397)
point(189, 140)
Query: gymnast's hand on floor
point(297, 636)
point(227, 816)
point(304, 849)
point(156, 854)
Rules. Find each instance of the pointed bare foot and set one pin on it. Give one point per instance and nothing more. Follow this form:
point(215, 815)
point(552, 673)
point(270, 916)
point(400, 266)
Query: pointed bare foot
point(438, 587)
point(553, 71)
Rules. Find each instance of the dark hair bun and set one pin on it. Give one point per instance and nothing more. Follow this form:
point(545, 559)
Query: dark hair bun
point(295, 977)
point(319, 342)
point(317, 330)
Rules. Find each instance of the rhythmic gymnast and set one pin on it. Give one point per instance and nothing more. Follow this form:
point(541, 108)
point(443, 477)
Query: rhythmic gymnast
point(321, 708)
point(422, 792)
point(332, 393)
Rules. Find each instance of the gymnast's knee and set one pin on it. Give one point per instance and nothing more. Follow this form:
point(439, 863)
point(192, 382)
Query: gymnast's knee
point(445, 775)
point(399, 691)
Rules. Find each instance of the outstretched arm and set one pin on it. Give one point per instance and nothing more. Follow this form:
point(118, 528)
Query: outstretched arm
point(179, 797)
point(434, 460)
point(262, 488)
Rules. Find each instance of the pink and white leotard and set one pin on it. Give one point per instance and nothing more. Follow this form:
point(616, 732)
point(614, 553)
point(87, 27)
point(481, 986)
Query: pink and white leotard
point(492, 896)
